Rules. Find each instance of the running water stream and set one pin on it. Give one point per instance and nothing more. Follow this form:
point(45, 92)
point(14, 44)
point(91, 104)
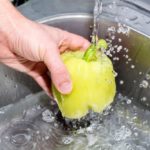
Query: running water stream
point(97, 12)
point(34, 123)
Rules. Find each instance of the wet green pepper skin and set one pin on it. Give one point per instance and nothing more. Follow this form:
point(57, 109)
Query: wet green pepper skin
point(93, 85)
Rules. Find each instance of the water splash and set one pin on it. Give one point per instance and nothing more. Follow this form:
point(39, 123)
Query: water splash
point(123, 123)
point(48, 116)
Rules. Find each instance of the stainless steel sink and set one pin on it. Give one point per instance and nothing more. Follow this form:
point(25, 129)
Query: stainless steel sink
point(130, 49)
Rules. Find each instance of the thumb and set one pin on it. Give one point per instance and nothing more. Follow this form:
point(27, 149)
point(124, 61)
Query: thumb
point(59, 74)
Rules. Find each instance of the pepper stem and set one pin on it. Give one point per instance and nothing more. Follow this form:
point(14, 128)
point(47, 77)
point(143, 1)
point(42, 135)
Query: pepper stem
point(91, 52)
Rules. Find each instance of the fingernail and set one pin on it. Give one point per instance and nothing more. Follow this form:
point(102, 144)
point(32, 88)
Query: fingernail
point(65, 87)
point(86, 45)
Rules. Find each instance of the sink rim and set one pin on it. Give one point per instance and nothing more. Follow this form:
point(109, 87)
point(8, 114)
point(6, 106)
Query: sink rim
point(62, 16)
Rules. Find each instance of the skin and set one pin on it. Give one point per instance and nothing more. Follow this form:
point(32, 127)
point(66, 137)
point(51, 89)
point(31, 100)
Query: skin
point(35, 49)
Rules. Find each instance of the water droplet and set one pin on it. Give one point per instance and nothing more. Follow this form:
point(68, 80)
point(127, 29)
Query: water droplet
point(47, 116)
point(115, 74)
point(136, 134)
point(111, 29)
point(144, 84)
point(67, 140)
point(126, 56)
point(122, 28)
point(126, 50)
point(145, 122)
point(56, 125)
point(132, 66)
point(47, 137)
point(129, 59)
point(108, 53)
point(143, 99)
point(113, 37)
point(90, 129)
point(38, 107)
point(116, 58)
point(114, 52)
point(119, 48)
point(129, 101)
point(121, 82)
point(119, 40)
point(147, 76)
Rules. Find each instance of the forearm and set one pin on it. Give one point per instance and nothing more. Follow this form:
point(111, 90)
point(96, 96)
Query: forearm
point(10, 18)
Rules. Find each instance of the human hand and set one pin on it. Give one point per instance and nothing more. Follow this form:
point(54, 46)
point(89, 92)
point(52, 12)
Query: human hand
point(35, 49)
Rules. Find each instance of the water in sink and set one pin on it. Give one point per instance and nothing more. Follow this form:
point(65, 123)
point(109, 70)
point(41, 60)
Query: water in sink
point(124, 126)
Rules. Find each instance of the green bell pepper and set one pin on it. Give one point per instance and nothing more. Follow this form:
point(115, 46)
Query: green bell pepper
point(93, 81)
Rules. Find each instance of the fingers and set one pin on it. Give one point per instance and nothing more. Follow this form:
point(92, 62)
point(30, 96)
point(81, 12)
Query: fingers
point(73, 42)
point(67, 40)
point(59, 73)
point(38, 72)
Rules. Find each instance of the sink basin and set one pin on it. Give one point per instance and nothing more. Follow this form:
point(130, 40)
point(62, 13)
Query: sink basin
point(129, 49)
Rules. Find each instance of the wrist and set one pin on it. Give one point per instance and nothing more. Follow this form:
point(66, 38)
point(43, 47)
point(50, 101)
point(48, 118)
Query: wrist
point(12, 23)
point(10, 18)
